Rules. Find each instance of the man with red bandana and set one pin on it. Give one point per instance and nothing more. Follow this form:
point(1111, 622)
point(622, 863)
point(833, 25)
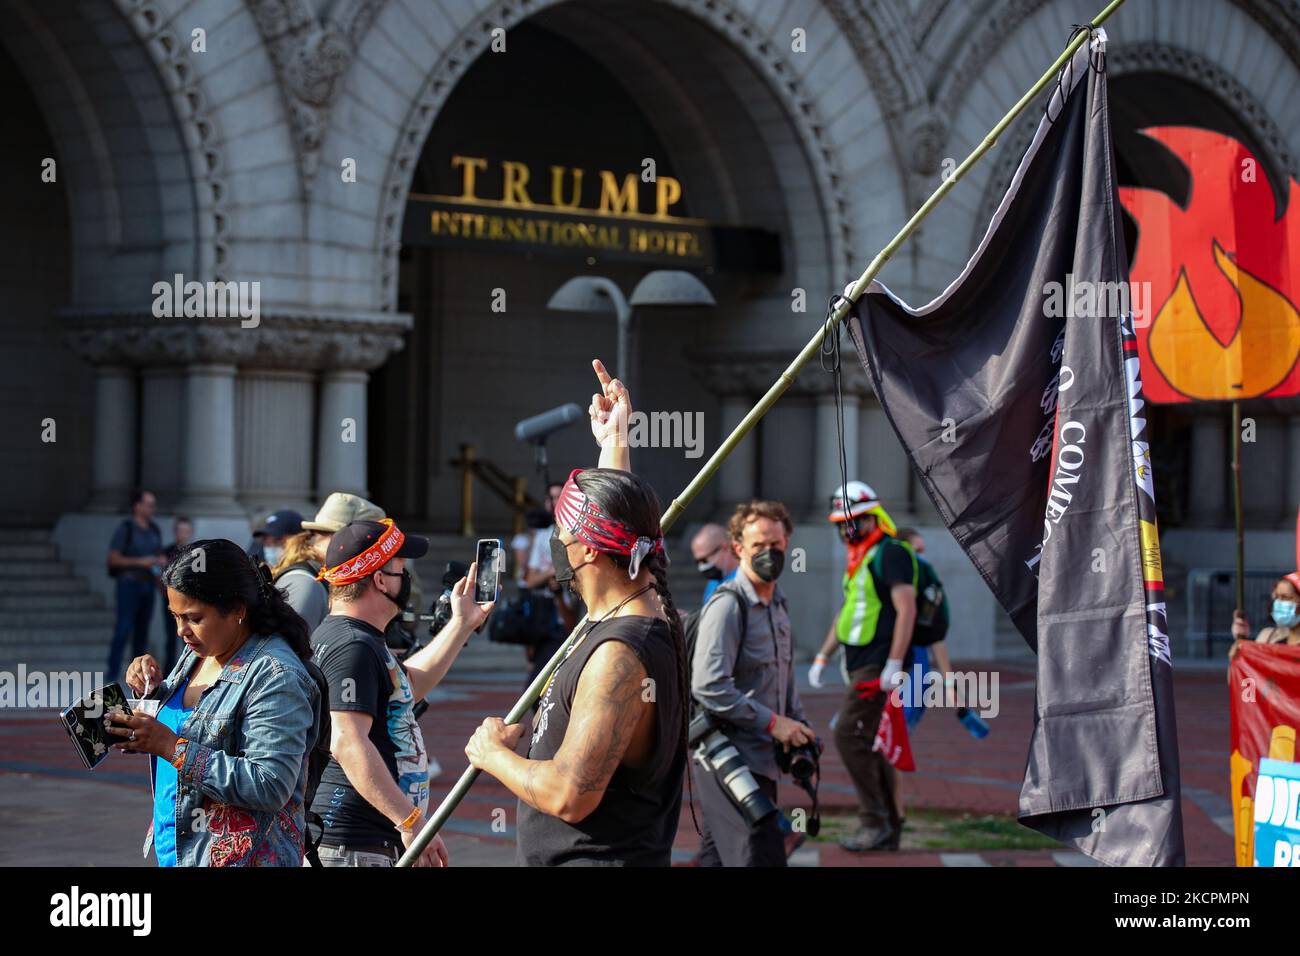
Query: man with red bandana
point(602, 780)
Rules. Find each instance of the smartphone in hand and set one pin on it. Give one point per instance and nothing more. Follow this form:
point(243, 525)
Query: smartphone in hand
point(491, 560)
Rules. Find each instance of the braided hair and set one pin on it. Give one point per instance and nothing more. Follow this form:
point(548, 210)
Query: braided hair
point(218, 572)
point(626, 498)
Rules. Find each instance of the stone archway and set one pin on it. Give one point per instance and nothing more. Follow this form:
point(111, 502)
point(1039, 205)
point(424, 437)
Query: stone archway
point(840, 125)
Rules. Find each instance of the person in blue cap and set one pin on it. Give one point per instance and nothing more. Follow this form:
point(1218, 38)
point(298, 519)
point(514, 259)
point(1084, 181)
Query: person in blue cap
point(268, 540)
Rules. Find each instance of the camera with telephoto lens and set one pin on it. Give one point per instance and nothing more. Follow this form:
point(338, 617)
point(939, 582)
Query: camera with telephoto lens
point(803, 764)
point(717, 754)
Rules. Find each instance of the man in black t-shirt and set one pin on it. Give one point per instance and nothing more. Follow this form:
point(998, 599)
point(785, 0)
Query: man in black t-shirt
point(374, 794)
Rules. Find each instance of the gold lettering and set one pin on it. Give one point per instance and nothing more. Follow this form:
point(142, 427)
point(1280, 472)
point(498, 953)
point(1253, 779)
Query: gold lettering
point(667, 192)
point(615, 200)
point(472, 164)
point(513, 192)
point(557, 188)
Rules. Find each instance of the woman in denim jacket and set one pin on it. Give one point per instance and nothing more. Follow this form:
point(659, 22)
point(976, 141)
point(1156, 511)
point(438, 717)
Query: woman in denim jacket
point(238, 717)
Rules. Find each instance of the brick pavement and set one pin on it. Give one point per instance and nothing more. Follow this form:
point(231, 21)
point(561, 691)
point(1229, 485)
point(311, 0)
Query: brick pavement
point(43, 788)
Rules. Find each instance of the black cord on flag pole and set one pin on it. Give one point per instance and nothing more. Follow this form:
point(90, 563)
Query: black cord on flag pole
point(830, 358)
point(710, 468)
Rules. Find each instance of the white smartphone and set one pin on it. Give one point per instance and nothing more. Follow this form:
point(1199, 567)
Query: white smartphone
point(491, 560)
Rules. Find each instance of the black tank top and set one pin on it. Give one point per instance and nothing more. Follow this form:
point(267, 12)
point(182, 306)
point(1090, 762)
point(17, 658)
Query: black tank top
point(636, 820)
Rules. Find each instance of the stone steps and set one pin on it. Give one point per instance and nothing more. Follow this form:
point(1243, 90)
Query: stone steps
point(50, 619)
point(24, 535)
point(28, 551)
point(50, 601)
point(11, 569)
point(99, 618)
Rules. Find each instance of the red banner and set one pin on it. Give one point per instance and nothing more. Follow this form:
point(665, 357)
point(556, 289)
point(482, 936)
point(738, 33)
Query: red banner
point(1216, 282)
point(1265, 682)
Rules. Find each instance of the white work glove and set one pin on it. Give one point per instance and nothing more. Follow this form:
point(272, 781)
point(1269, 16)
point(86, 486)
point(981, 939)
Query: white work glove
point(815, 672)
point(892, 676)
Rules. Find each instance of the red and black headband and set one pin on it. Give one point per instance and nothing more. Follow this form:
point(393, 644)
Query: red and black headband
point(582, 517)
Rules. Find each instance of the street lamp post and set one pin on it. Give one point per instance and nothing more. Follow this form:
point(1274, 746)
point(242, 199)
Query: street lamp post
point(662, 287)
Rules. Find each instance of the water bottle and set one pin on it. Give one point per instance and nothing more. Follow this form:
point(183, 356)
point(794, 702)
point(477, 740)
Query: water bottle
point(972, 722)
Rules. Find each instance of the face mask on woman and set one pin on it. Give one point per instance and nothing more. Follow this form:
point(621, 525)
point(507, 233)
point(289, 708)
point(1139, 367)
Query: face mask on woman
point(273, 554)
point(1285, 613)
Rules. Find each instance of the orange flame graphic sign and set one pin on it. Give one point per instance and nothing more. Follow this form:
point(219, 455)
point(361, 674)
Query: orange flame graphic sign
point(1223, 280)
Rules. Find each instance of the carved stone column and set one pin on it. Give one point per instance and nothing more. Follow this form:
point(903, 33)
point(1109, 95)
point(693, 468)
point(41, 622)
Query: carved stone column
point(208, 469)
point(115, 438)
point(275, 428)
point(235, 448)
point(341, 440)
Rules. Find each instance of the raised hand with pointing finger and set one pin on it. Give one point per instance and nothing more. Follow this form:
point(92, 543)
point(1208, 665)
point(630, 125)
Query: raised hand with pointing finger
point(610, 410)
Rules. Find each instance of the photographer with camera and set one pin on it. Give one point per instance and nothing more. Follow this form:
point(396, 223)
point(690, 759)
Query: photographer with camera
point(742, 679)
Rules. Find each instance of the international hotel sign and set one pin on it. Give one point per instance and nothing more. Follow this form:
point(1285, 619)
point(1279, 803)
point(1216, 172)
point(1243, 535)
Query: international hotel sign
point(505, 205)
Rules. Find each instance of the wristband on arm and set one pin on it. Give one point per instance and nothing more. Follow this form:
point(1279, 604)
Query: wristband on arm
point(405, 825)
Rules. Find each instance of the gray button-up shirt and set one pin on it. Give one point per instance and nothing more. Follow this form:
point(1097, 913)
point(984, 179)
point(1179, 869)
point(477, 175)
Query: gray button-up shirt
point(745, 685)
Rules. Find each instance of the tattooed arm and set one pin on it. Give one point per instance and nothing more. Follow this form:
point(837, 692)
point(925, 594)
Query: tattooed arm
point(610, 721)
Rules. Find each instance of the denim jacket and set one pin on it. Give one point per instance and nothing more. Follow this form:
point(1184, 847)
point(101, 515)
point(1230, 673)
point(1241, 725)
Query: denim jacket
point(239, 790)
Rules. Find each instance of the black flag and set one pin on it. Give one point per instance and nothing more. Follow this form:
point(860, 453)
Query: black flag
point(1017, 396)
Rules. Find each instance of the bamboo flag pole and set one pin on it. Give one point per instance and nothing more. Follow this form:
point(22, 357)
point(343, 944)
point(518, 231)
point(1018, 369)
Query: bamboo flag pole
point(778, 388)
point(1240, 543)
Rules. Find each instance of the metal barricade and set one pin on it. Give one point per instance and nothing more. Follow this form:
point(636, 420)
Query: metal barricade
point(1212, 597)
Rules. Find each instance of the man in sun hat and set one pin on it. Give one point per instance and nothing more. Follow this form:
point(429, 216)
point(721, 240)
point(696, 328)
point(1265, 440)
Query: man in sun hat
point(341, 508)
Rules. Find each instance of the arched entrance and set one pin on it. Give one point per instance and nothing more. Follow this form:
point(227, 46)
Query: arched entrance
point(583, 97)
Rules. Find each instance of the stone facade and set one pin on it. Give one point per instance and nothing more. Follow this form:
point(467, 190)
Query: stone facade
point(221, 162)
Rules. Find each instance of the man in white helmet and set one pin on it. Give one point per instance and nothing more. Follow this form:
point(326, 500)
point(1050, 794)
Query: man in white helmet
point(874, 626)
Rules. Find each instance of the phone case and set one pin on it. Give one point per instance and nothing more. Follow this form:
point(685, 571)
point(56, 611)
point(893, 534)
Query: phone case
point(84, 722)
point(498, 568)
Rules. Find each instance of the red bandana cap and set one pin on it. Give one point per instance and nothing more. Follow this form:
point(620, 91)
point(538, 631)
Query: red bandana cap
point(582, 517)
point(361, 548)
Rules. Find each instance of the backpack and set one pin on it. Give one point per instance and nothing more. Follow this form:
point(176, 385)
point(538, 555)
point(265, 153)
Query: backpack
point(931, 607)
point(527, 618)
point(130, 530)
point(318, 759)
point(306, 568)
point(691, 628)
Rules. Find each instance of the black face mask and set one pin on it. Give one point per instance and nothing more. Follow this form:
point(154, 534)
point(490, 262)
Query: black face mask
point(564, 571)
point(768, 564)
point(709, 571)
point(403, 593)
